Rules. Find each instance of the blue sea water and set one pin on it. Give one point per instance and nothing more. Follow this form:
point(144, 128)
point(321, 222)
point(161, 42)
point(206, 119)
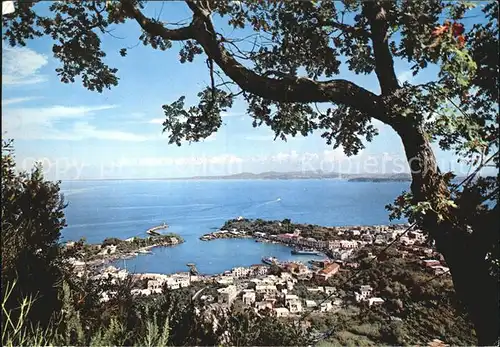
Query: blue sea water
point(100, 209)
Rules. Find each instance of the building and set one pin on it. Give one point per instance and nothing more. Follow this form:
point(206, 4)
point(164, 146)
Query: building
point(281, 312)
point(330, 290)
point(249, 298)
point(439, 270)
point(266, 289)
point(311, 303)
point(226, 280)
point(327, 272)
point(326, 306)
point(293, 303)
point(364, 293)
point(296, 268)
point(177, 281)
point(431, 262)
point(375, 301)
point(156, 284)
point(333, 244)
point(239, 272)
point(346, 244)
point(227, 294)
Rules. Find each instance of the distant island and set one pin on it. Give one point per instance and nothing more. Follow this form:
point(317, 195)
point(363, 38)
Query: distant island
point(292, 175)
point(387, 178)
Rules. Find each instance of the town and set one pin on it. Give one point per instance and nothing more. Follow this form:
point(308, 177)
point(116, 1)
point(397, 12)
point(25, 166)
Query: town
point(290, 289)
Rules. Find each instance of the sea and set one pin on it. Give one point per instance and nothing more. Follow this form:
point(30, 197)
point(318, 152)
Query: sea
point(124, 208)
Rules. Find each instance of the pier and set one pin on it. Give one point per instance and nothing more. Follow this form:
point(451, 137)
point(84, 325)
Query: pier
point(154, 230)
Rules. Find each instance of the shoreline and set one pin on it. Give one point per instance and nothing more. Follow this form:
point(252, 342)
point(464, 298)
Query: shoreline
point(113, 249)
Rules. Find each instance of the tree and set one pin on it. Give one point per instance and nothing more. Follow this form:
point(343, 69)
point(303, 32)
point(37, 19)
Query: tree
point(32, 220)
point(297, 48)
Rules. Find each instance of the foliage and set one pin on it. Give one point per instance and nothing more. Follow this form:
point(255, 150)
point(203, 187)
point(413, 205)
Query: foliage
point(32, 220)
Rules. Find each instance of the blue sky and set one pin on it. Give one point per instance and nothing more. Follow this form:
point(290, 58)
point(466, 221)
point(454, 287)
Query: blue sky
point(78, 134)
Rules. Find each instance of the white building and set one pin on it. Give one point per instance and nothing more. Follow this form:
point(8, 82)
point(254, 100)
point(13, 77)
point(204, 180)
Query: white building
point(293, 303)
point(227, 280)
point(268, 289)
point(228, 294)
point(329, 290)
point(311, 303)
point(281, 312)
point(326, 306)
point(239, 272)
point(177, 281)
point(375, 301)
point(249, 298)
point(364, 293)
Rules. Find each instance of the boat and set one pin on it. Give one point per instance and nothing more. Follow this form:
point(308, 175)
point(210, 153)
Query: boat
point(269, 260)
point(305, 251)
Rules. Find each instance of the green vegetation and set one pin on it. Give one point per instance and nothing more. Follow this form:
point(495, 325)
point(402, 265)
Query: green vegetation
point(32, 220)
point(418, 307)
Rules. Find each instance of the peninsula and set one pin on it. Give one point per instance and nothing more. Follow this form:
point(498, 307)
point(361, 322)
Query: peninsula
point(261, 229)
point(112, 249)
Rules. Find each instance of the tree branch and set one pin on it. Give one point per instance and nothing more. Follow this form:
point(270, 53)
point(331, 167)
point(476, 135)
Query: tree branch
point(285, 90)
point(301, 90)
point(384, 64)
point(156, 28)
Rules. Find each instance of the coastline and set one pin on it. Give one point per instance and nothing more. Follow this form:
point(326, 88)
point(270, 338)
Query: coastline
point(84, 255)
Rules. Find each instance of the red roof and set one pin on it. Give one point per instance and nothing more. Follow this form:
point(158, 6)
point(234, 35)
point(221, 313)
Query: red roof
point(330, 268)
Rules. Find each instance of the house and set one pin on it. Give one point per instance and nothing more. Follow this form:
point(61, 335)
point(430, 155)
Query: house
point(293, 303)
point(337, 302)
point(259, 270)
point(364, 293)
point(281, 312)
point(439, 270)
point(249, 298)
point(330, 290)
point(327, 272)
point(346, 244)
point(311, 303)
point(156, 284)
point(431, 262)
point(375, 301)
point(177, 281)
point(296, 268)
point(267, 289)
point(326, 306)
point(227, 294)
point(322, 244)
point(226, 280)
point(333, 244)
point(239, 272)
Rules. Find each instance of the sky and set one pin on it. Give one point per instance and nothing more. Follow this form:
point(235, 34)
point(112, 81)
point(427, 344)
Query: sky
point(79, 134)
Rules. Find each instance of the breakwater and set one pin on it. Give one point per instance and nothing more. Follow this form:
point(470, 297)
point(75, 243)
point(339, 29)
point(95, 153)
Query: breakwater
point(154, 230)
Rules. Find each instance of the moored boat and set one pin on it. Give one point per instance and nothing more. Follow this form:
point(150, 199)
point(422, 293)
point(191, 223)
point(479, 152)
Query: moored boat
point(305, 251)
point(269, 260)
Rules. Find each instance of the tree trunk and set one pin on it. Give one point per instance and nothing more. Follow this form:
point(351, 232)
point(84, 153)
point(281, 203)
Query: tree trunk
point(474, 285)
